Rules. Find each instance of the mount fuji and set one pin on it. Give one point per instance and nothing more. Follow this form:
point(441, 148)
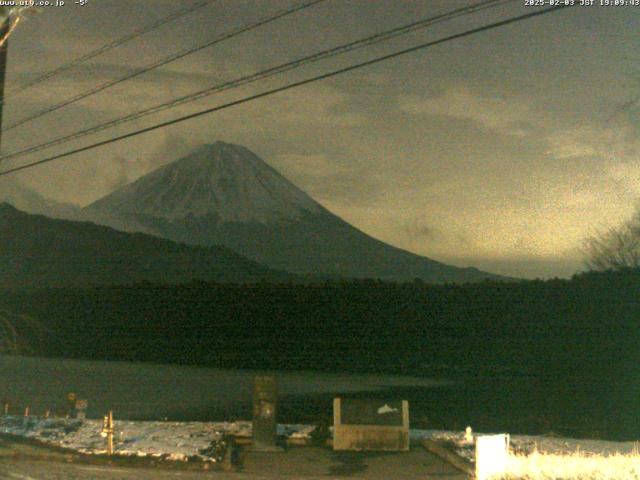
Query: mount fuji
point(223, 194)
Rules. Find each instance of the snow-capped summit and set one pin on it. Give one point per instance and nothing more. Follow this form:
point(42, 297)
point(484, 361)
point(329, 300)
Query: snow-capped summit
point(221, 180)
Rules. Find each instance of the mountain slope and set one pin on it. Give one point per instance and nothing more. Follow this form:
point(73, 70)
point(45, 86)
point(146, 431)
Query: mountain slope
point(38, 251)
point(223, 194)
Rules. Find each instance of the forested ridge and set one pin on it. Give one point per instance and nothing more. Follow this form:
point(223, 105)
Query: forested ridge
point(555, 325)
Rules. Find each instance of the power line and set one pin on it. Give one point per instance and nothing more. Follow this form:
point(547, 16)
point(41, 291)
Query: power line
point(110, 46)
point(300, 83)
point(171, 58)
point(261, 75)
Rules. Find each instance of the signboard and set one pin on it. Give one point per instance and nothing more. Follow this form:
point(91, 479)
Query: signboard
point(492, 454)
point(371, 412)
point(370, 424)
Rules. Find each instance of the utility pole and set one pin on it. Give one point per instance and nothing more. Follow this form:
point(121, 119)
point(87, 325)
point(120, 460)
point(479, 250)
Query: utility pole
point(4, 32)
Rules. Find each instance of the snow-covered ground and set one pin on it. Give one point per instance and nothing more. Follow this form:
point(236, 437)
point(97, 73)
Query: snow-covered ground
point(527, 444)
point(182, 440)
point(553, 458)
point(138, 392)
point(171, 440)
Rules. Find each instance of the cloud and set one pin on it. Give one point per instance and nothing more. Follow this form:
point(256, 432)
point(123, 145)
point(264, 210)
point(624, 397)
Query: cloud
point(610, 143)
point(316, 106)
point(565, 137)
point(314, 165)
point(120, 170)
point(420, 230)
point(509, 116)
point(626, 176)
point(171, 147)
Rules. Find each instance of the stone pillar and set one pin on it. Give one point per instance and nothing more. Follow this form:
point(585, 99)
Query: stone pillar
point(265, 396)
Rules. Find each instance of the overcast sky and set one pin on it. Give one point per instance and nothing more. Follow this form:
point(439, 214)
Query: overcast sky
point(502, 150)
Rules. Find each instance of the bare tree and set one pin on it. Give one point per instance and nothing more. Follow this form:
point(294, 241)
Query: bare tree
point(615, 249)
point(18, 332)
point(8, 334)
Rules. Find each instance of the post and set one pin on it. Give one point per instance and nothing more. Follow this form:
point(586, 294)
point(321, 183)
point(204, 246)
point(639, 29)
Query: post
point(265, 395)
point(71, 405)
point(107, 431)
point(370, 424)
point(4, 31)
point(110, 434)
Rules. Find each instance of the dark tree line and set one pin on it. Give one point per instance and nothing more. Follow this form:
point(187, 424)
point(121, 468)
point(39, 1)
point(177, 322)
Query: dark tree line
point(559, 351)
point(588, 323)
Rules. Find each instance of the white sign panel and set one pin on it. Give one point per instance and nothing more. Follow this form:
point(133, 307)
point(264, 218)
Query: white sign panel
point(492, 453)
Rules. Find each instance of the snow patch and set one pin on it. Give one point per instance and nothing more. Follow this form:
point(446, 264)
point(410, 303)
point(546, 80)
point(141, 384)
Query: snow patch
point(181, 441)
point(169, 440)
point(527, 444)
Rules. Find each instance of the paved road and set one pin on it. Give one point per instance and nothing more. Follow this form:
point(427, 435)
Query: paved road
point(299, 463)
point(35, 470)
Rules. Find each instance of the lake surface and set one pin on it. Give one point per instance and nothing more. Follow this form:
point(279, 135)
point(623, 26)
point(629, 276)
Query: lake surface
point(149, 391)
point(498, 402)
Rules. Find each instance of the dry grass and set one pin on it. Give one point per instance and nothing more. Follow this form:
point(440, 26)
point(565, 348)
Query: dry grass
point(579, 465)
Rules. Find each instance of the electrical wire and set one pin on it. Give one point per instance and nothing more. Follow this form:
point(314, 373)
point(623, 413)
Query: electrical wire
point(164, 61)
point(300, 83)
point(109, 46)
point(367, 41)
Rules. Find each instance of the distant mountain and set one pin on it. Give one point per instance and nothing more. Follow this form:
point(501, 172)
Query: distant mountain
point(23, 198)
point(36, 251)
point(223, 194)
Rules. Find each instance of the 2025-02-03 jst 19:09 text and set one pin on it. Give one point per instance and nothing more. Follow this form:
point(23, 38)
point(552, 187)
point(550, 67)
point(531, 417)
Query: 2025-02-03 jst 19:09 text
point(582, 3)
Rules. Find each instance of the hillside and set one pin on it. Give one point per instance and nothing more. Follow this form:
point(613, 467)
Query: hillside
point(37, 251)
